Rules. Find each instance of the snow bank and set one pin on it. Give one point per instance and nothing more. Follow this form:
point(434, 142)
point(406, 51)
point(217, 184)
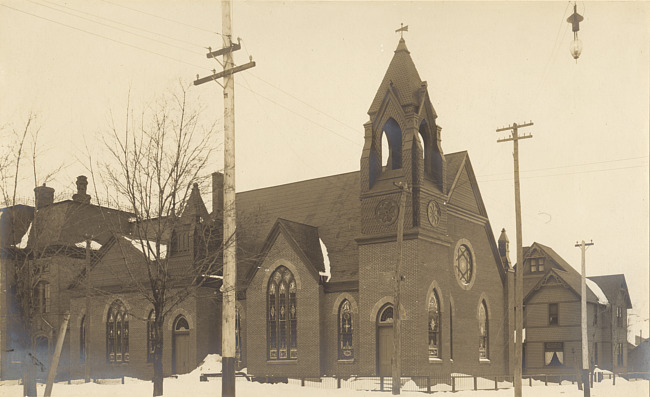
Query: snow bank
point(25, 238)
point(326, 261)
point(94, 245)
point(602, 299)
point(150, 247)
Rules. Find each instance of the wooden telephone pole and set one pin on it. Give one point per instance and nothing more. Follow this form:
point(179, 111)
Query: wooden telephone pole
point(229, 214)
point(519, 272)
point(583, 321)
point(396, 362)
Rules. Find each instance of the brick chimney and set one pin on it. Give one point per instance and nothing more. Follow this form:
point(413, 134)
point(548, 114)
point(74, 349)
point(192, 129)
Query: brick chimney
point(217, 194)
point(44, 196)
point(82, 185)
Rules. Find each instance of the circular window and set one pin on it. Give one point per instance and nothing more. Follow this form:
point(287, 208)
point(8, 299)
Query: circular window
point(464, 264)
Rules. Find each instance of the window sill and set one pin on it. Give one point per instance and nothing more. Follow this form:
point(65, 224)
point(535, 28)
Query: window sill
point(435, 360)
point(346, 361)
point(484, 361)
point(282, 362)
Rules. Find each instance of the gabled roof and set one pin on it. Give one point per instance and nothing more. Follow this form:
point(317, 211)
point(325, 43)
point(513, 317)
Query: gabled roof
point(572, 280)
point(611, 285)
point(402, 78)
point(303, 239)
point(195, 207)
point(550, 252)
point(330, 204)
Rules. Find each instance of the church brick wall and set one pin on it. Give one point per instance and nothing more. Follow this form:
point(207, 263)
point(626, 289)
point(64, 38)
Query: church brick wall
point(308, 317)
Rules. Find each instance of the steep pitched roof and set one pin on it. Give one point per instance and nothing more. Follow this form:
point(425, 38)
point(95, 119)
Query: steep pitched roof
point(611, 285)
point(303, 239)
point(195, 207)
point(401, 77)
point(572, 279)
point(330, 204)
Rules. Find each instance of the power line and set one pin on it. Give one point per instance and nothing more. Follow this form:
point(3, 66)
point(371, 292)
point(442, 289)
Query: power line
point(104, 37)
point(163, 18)
point(113, 27)
point(570, 173)
point(125, 24)
point(568, 166)
point(298, 114)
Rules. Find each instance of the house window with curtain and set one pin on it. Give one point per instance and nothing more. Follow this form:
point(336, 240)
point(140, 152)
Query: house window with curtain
point(117, 333)
point(554, 354)
point(346, 351)
point(282, 342)
point(434, 325)
point(483, 341)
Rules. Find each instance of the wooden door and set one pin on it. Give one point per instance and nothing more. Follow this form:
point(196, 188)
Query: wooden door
point(181, 353)
point(384, 350)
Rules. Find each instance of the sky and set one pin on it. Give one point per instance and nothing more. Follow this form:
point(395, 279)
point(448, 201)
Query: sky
point(300, 111)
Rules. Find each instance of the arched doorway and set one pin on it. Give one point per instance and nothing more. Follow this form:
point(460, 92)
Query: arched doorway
point(181, 346)
point(384, 340)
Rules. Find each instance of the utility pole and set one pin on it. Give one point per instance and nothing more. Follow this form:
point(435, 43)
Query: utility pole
point(57, 354)
point(396, 364)
point(519, 272)
point(583, 322)
point(229, 287)
point(86, 320)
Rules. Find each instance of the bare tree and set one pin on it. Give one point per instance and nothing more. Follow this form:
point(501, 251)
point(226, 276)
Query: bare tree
point(26, 293)
point(155, 165)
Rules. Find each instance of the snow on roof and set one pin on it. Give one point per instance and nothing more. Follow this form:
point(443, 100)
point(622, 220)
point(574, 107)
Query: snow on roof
point(326, 261)
point(602, 299)
point(94, 245)
point(25, 238)
point(150, 247)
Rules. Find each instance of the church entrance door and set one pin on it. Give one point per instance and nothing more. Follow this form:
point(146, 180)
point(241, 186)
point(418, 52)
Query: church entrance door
point(385, 340)
point(181, 347)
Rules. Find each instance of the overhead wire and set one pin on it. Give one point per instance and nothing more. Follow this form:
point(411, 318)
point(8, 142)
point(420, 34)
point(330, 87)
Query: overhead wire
point(163, 18)
point(104, 37)
point(120, 23)
point(112, 27)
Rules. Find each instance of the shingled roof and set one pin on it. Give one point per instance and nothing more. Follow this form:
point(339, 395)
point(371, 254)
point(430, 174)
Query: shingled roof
point(402, 77)
point(330, 204)
point(611, 285)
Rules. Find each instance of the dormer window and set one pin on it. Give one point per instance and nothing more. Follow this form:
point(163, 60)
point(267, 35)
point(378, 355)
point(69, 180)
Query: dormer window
point(537, 265)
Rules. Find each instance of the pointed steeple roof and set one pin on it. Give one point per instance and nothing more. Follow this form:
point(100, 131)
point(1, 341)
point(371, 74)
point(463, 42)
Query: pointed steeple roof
point(402, 77)
point(195, 207)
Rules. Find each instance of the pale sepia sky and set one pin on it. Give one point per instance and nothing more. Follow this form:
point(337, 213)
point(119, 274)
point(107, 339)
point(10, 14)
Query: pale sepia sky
point(300, 111)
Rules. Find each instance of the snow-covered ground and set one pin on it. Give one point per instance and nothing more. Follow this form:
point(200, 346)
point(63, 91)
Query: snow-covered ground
point(189, 385)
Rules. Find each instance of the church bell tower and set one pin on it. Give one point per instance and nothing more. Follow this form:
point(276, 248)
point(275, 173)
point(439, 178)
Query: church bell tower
point(402, 144)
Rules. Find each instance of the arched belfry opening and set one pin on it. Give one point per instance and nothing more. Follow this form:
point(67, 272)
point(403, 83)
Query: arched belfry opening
point(430, 153)
point(391, 150)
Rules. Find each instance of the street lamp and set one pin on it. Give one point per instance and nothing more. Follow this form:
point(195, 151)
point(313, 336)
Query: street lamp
point(576, 45)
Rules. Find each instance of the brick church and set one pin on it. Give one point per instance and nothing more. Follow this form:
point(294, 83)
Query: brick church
point(316, 260)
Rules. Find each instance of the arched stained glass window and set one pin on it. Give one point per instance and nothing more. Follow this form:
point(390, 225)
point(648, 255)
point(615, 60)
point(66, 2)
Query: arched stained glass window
point(151, 335)
point(483, 342)
point(434, 325)
point(117, 333)
point(346, 351)
point(282, 328)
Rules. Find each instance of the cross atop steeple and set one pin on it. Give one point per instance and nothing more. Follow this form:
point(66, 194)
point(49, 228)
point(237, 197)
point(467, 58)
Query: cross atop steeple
point(402, 30)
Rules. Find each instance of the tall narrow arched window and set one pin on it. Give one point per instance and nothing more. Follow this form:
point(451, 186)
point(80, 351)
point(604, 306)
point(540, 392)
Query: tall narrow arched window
point(82, 340)
point(434, 325)
point(483, 341)
point(42, 297)
point(393, 134)
point(282, 327)
point(117, 333)
point(346, 351)
point(151, 335)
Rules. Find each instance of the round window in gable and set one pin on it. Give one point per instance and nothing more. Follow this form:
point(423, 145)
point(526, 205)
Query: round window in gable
point(464, 264)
